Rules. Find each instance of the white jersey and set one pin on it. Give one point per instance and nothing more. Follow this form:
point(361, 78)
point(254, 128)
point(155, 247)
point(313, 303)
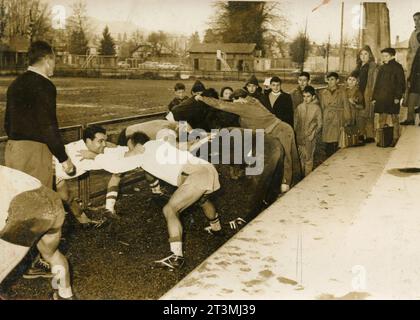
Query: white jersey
point(160, 158)
point(82, 166)
point(13, 183)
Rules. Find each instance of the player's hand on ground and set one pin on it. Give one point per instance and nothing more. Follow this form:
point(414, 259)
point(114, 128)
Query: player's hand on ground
point(236, 223)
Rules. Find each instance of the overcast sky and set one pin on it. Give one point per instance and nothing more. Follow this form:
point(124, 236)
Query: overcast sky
point(187, 16)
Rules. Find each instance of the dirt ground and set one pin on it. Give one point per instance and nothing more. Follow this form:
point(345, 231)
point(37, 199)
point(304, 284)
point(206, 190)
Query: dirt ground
point(115, 263)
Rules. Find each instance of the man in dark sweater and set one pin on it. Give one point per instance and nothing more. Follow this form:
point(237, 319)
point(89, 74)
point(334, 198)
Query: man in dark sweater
point(32, 128)
point(31, 121)
point(279, 102)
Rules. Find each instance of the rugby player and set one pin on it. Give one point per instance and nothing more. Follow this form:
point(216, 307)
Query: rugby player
point(31, 213)
point(195, 178)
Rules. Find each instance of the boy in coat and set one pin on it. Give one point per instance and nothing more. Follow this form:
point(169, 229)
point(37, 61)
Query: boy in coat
point(308, 125)
point(389, 89)
point(333, 103)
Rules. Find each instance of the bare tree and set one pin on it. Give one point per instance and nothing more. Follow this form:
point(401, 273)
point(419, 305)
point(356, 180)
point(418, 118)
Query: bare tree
point(78, 29)
point(25, 18)
point(158, 41)
point(249, 21)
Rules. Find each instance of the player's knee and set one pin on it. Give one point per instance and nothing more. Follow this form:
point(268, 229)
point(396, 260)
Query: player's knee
point(169, 211)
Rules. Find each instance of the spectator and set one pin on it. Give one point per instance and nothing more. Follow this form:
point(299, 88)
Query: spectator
point(279, 102)
point(226, 93)
point(179, 95)
point(304, 79)
point(333, 103)
point(31, 121)
point(412, 58)
point(414, 80)
point(368, 70)
point(354, 100)
point(253, 88)
point(388, 92)
point(308, 125)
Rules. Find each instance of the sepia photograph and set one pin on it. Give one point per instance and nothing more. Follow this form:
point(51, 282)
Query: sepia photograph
point(211, 150)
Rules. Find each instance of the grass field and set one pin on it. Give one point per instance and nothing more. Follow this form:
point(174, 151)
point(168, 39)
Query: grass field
point(83, 100)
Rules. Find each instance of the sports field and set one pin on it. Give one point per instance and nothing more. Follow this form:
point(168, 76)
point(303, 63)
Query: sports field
point(83, 100)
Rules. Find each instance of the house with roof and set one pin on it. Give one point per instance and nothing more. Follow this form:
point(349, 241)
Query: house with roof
point(242, 57)
point(13, 55)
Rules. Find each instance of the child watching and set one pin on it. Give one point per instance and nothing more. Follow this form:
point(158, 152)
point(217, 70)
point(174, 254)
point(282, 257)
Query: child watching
point(179, 95)
point(333, 103)
point(388, 92)
point(308, 125)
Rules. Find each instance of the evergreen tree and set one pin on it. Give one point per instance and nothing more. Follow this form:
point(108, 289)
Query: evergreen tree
point(107, 43)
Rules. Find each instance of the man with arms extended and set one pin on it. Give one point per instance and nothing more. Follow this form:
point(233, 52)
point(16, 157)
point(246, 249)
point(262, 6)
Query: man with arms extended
point(195, 178)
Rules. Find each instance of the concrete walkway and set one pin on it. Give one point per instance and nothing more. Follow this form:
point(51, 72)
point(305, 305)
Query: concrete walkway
point(351, 230)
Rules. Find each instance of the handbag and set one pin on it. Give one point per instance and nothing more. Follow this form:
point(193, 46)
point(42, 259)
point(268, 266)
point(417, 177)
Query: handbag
point(385, 136)
point(350, 137)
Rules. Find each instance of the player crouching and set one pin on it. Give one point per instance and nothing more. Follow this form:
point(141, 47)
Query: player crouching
point(195, 178)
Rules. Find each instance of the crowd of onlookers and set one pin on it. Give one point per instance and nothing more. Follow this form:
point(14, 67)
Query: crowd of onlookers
point(369, 100)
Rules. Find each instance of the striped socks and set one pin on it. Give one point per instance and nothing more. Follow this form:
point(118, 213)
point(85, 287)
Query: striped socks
point(111, 199)
point(155, 186)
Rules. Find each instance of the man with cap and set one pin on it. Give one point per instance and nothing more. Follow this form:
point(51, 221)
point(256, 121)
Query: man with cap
point(190, 110)
point(253, 88)
point(413, 57)
point(389, 89)
point(279, 102)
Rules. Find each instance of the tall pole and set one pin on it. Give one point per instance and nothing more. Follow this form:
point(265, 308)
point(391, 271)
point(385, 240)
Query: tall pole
point(341, 38)
point(304, 45)
point(361, 22)
point(328, 51)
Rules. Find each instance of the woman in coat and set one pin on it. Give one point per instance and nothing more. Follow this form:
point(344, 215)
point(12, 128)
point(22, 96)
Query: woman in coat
point(367, 70)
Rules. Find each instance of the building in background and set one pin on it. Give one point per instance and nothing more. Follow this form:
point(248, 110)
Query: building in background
point(242, 57)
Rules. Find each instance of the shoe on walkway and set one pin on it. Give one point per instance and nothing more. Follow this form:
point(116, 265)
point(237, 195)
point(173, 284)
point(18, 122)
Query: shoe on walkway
point(39, 269)
point(172, 262)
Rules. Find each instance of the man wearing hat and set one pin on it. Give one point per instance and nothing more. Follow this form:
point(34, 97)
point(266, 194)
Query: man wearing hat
point(389, 89)
point(253, 88)
point(190, 110)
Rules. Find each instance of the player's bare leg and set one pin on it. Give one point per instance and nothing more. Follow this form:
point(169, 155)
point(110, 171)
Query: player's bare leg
point(48, 247)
